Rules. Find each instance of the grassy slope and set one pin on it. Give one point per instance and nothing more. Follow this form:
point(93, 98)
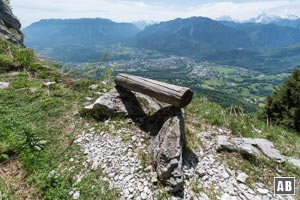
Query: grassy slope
point(245, 125)
point(201, 113)
point(38, 126)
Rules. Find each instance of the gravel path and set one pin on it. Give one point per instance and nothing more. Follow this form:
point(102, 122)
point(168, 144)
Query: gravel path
point(207, 178)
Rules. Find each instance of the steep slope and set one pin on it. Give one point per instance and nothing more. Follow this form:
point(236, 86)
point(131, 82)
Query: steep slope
point(192, 36)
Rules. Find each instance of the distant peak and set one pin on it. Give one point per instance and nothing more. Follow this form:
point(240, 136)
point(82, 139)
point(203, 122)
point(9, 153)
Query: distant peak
point(142, 24)
point(225, 18)
point(266, 18)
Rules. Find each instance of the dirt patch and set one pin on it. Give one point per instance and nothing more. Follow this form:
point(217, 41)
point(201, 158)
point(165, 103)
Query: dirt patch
point(13, 177)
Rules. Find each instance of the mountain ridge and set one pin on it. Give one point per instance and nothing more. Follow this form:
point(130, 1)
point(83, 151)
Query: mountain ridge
point(196, 37)
point(189, 35)
point(78, 31)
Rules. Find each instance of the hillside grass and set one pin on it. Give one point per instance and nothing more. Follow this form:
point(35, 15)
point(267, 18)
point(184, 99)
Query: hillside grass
point(39, 124)
point(37, 128)
point(250, 125)
point(201, 114)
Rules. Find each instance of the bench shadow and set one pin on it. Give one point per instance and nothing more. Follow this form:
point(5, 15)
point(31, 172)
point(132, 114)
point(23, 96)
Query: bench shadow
point(148, 123)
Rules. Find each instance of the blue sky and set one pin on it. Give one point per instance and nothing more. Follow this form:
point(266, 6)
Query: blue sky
point(30, 11)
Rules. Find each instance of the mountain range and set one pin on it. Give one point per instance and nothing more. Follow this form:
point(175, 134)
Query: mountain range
point(196, 37)
point(52, 32)
point(285, 20)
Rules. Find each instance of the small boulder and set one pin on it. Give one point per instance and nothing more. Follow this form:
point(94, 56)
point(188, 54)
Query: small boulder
point(242, 177)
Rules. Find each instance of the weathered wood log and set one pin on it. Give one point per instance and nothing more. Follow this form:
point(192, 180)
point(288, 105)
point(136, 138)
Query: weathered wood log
point(175, 95)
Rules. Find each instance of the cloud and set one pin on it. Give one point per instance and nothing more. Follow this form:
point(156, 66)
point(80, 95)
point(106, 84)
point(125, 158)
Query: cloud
point(32, 10)
point(246, 10)
point(131, 10)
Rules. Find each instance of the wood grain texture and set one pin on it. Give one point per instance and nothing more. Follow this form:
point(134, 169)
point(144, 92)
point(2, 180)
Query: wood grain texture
point(175, 95)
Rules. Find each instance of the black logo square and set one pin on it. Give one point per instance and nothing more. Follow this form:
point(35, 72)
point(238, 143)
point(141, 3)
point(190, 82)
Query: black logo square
point(284, 185)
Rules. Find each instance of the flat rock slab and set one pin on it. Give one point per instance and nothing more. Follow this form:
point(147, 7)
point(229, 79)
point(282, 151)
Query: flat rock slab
point(4, 85)
point(121, 102)
point(253, 147)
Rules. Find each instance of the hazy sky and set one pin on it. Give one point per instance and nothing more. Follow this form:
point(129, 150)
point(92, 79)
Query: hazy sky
point(29, 11)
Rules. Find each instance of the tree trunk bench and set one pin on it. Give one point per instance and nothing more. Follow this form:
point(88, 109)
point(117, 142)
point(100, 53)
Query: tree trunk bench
point(175, 95)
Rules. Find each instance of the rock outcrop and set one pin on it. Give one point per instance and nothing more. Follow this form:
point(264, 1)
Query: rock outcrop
point(254, 147)
point(121, 102)
point(165, 125)
point(9, 25)
point(167, 148)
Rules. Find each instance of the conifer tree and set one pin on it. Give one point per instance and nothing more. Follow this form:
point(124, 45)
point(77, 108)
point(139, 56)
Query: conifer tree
point(283, 107)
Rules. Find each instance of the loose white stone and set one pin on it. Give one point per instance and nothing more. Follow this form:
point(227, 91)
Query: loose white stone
point(131, 189)
point(93, 87)
point(76, 195)
point(4, 85)
point(226, 196)
point(262, 191)
point(126, 193)
point(48, 84)
point(201, 172)
point(143, 195)
point(242, 177)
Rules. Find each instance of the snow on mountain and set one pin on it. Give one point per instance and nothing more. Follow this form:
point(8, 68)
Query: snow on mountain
point(225, 18)
point(143, 23)
point(266, 19)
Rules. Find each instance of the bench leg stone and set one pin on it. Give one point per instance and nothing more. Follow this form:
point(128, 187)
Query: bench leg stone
point(167, 148)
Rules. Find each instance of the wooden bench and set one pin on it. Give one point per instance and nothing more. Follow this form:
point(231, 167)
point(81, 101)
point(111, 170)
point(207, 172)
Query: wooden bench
point(175, 95)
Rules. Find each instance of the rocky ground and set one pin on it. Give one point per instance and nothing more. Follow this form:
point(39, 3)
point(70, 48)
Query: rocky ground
point(120, 155)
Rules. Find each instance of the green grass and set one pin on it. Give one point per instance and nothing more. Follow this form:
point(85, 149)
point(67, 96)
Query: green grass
point(202, 112)
point(35, 129)
point(259, 169)
point(246, 125)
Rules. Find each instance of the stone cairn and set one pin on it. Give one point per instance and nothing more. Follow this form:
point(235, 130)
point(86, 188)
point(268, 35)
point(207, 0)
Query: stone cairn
point(131, 98)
